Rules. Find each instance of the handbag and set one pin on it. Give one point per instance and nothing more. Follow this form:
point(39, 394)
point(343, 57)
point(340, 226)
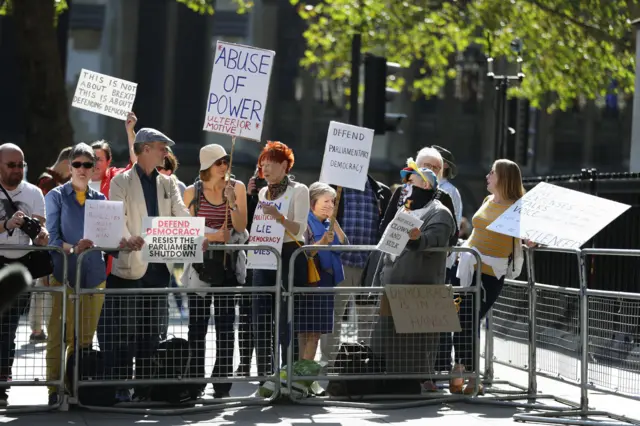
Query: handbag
point(214, 270)
point(313, 263)
point(39, 263)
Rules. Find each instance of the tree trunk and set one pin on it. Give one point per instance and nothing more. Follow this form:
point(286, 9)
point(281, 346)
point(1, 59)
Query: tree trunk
point(48, 128)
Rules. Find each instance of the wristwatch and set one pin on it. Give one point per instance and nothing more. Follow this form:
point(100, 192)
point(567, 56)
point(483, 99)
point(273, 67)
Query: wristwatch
point(234, 208)
point(72, 250)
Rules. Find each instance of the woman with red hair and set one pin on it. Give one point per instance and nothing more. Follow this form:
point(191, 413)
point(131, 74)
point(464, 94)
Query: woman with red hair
point(274, 164)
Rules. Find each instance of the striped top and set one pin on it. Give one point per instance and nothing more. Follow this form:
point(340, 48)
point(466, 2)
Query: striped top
point(214, 215)
point(487, 242)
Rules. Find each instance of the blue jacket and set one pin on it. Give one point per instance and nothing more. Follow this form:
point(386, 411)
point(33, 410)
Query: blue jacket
point(65, 223)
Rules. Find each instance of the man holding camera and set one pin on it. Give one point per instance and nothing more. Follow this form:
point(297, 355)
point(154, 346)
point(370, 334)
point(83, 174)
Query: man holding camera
point(21, 208)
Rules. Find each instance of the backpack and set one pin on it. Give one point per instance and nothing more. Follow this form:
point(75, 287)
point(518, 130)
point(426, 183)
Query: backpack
point(91, 367)
point(172, 360)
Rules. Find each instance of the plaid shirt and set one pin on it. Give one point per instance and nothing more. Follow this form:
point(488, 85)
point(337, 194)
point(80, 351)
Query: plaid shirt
point(360, 223)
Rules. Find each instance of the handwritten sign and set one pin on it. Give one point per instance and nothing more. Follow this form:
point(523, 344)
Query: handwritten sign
point(421, 308)
point(104, 94)
point(396, 236)
point(172, 239)
point(346, 156)
point(104, 222)
point(238, 91)
point(266, 231)
point(559, 217)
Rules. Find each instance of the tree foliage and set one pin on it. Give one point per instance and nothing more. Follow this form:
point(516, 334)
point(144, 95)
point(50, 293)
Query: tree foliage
point(571, 47)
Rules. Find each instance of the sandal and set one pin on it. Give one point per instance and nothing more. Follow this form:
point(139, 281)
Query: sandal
point(456, 384)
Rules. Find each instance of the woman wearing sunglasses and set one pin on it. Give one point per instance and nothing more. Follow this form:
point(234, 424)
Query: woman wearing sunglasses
point(65, 220)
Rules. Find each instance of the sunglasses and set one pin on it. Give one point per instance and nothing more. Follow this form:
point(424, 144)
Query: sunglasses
point(78, 164)
point(221, 161)
point(19, 165)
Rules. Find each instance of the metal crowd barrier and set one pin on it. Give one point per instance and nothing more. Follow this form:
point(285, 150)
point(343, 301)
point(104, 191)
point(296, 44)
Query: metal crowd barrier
point(553, 340)
point(418, 400)
point(31, 376)
point(189, 407)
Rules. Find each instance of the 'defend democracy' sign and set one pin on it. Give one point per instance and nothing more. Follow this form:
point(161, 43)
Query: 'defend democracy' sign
point(238, 92)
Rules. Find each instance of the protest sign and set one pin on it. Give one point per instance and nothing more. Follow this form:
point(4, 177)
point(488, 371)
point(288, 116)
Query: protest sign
point(104, 94)
point(421, 308)
point(396, 236)
point(172, 239)
point(266, 231)
point(238, 92)
point(104, 222)
point(558, 217)
point(346, 156)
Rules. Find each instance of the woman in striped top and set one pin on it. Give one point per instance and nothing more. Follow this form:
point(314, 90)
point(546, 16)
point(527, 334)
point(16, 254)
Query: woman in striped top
point(501, 256)
point(222, 202)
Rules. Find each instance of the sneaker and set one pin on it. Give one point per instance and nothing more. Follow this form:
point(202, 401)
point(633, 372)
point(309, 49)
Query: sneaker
point(36, 338)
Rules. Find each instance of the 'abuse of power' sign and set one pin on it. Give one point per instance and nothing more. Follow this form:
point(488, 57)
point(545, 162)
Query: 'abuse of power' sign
point(346, 156)
point(559, 217)
point(238, 92)
point(172, 239)
point(105, 95)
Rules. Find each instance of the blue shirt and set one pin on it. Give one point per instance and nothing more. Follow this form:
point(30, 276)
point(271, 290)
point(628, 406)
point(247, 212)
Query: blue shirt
point(157, 275)
point(65, 222)
point(360, 223)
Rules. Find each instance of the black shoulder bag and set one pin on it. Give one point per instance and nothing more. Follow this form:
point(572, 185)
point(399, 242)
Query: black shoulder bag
point(39, 263)
point(217, 269)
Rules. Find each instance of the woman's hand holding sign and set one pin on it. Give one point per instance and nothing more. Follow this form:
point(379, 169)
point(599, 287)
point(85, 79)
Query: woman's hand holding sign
point(271, 210)
point(414, 234)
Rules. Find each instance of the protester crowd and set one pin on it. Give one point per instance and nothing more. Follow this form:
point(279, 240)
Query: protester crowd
point(132, 327)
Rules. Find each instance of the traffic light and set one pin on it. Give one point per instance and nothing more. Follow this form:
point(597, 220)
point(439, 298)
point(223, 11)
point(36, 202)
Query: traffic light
point(377, 95)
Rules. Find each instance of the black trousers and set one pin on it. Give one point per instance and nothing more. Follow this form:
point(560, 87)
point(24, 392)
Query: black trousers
point(224, 317)
point(9, 322)
point(133, 325)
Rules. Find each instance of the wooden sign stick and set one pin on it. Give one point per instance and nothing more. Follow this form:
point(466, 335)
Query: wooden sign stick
point(335, 209)
point(227, 178)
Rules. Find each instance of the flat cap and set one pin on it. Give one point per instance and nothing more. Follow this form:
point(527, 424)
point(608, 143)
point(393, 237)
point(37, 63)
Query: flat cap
point(147, 135)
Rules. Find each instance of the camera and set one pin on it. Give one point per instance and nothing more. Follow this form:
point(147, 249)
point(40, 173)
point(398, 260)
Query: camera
point(31, 227)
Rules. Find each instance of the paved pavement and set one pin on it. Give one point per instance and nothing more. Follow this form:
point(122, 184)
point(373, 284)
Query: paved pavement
point(30, 363)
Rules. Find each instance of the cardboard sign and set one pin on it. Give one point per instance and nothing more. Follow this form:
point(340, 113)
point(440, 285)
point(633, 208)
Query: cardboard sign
point(346, 156)
point(396, 236)
point(238, 92)
point(421, 308)
point(105, 95)
point(172, 239)
point(558, 217)
point(266, 231)
point(104, 222)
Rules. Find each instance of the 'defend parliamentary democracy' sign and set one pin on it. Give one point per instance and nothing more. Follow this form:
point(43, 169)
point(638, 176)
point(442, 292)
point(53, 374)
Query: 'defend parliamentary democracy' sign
point(238, 93)
point(104, 94)
point(172, 239)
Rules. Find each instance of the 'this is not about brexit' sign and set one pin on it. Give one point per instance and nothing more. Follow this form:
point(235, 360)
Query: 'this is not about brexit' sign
point(238, 92)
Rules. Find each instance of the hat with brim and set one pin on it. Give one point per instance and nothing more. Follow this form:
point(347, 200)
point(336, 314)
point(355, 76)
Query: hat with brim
point(425, 173)
point(448, 158)
point(149, 135)
point(209, 154)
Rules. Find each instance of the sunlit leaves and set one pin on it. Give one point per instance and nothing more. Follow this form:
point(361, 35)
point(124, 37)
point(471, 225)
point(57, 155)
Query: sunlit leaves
point(571, 47)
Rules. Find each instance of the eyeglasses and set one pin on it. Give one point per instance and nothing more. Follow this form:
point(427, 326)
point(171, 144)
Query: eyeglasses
point(78, 164)
point(12, 165)
point(221, 161)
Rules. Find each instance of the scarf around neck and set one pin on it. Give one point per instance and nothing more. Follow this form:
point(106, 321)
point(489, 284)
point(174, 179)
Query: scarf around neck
point(275, 191)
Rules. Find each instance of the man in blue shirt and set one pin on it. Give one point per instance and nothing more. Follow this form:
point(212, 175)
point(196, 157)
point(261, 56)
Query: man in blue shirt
point(139, 319)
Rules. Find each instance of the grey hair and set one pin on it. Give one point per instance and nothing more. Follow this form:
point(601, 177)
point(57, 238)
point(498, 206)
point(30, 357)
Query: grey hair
point(429, 152)
point(82, 149)
point(318, 189)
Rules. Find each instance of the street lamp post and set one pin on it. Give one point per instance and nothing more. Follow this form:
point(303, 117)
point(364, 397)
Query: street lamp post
point(502, 81)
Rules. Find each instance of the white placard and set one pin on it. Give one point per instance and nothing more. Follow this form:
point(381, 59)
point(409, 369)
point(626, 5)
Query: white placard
point(396, 236)
point(172, 239)
point(238, 92)
point(346, 156)
point(268, 232)
point(104, 222)
point(104, 94)
point(558, 217)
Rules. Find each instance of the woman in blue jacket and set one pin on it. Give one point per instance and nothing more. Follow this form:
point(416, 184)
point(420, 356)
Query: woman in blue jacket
point(65, 221)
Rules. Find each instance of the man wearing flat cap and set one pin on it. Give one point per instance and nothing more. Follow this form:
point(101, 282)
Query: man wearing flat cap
point(133, 319)
point(450, 171)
